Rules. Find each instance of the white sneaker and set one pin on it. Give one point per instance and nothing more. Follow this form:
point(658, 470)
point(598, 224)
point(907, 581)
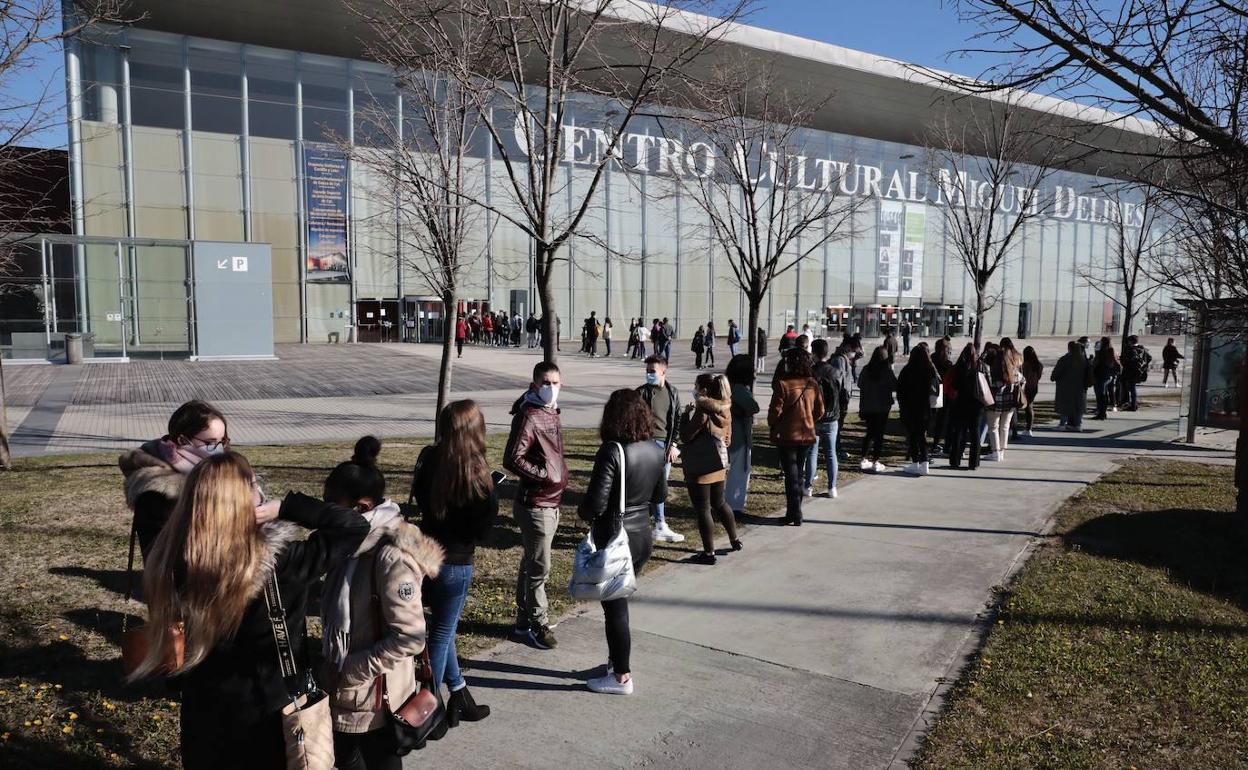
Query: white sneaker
point(923, 468)
point(664, 534)
point(879, 467)
point(832, 493)
point(1029, 433)
point(609, 685)
point(993, 457)
point(808, 492)
point(912, 470)
point(865, 465)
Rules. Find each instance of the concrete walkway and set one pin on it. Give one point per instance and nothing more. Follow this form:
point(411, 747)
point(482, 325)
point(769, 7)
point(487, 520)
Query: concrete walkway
point(819, 647)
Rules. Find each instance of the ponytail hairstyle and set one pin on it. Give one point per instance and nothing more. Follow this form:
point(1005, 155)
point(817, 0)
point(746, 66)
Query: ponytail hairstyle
point(358, 478)
point(463, 471)
point(204, 565)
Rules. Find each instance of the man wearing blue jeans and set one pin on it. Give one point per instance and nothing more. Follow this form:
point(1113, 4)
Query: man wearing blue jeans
point(832, 383)
point(665, 411)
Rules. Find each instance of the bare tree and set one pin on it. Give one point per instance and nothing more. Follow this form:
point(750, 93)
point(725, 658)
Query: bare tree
point(424, 166)
point(1139, 243)
point(768, 206)
point(987, 167)
point(539, 63)
point(30, 29)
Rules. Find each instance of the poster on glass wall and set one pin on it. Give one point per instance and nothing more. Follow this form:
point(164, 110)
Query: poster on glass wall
point(325, 196)
point(912, 251)
point(888, 264)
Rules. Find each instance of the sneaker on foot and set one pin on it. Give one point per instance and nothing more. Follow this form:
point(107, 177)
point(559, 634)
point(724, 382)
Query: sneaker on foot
point(911, 470)
point(1028, 434)
point(702, 558)
point(609, 685)
point(520, 632)
point(879, 467)
point(865, 465)
point(543, 638)
point(832, 493)
point(808, 492)
point(665, 534)
point(923, 468)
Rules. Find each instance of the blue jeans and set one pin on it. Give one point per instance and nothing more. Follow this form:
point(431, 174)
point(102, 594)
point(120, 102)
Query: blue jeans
point(732, 352)
point(825, 436)
point(446, 596)
point(658, 510)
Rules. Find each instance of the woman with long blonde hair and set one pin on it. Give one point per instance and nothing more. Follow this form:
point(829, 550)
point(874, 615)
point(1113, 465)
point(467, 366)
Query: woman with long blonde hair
point(458, 505)
point(207, 571)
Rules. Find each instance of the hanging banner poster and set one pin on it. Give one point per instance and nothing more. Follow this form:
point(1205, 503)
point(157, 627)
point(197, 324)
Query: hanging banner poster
point(888, 265)
point(912, 251)
point(325, 197)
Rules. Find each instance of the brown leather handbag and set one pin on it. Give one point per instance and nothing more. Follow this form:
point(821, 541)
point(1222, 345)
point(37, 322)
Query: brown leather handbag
point(421, 717)
point(135, 641)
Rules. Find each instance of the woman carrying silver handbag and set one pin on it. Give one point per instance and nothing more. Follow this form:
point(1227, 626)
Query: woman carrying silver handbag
point(618, 502)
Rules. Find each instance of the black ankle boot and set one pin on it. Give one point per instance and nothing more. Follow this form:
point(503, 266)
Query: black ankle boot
point(462, 706)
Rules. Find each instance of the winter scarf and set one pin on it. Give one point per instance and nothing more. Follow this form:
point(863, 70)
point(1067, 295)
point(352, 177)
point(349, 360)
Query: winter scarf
point(182, 459)
point(336, 634)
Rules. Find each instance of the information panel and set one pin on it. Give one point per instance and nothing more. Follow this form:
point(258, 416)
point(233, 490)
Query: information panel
point(233, 300)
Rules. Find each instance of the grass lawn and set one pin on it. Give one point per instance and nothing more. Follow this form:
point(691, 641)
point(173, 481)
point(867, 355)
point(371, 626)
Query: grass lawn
point(64, 531)
point(1123, 642)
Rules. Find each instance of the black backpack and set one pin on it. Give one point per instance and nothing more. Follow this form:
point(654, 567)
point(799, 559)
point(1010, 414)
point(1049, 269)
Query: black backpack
point(831, 390)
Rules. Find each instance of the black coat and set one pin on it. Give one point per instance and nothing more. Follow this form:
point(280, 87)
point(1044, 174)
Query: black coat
point(915, 387)
point(645, 485)
point(231, 702)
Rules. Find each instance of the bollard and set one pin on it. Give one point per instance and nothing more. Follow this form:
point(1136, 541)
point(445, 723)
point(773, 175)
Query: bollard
point(73, 348)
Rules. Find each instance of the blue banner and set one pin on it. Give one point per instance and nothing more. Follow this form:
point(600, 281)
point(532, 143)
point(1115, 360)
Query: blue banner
point(325, 196)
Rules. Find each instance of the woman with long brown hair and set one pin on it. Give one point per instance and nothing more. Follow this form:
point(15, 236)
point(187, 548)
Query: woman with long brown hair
point(207, 570)
point(458, 505)
point(629, 457)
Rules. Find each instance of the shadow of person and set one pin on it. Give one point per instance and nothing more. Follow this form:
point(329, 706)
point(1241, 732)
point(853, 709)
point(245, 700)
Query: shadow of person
point(1201, 549)
point(112, 580)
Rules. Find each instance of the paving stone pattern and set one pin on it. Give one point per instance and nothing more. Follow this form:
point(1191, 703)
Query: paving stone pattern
point(24, 384)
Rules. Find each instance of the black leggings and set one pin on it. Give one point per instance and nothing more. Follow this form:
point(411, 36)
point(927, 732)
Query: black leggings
point(875, 422)
point(792, 463)
point(707, 500)
point(916, 437)
point(964, 431)
point(366, 751)
point(615, 612)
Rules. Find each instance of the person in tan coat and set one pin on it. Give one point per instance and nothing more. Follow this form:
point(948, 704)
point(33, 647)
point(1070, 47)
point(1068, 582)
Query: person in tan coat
point(374, 621)
point(706, 432)
point(796, 405)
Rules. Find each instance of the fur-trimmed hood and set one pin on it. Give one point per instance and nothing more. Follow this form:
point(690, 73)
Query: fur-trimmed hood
point(277, 535)
point(720, 406)
point(146, 472)
point(419, 549)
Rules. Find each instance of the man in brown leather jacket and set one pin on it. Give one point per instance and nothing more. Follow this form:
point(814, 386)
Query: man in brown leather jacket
point(534, 453)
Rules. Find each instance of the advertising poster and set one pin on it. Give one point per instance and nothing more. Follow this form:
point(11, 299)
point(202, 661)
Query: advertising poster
point(912, 251)
point(325, 194)
point(888, 265)
point(1220, 402)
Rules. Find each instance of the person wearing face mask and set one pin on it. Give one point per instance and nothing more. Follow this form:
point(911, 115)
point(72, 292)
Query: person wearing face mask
point(660, 397)
point(373, 617)
point(534, 454)
point(154, 473)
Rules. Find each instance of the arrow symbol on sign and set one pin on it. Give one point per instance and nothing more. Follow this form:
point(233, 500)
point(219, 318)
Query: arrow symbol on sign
point(223, 264)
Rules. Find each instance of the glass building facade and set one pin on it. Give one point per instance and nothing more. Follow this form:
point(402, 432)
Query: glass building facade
point(177, 138)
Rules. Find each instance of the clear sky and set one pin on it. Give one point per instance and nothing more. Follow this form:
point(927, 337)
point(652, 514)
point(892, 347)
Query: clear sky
point(919, 31)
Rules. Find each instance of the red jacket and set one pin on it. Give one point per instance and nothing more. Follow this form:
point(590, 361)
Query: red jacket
point(461, 329)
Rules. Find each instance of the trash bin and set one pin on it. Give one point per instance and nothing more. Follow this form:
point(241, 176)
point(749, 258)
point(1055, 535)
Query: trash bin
point(73, 348)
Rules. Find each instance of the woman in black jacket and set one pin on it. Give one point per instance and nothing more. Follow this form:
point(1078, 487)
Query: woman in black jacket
point(939, 427)
point(966, 410)
point(155, 471)
point(458, 506)
point(208, 569)
point(626, 426)
point(916, 385)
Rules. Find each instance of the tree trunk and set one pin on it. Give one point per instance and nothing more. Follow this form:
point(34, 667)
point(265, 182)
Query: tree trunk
point(1241, 446)
point(444, 372)
point(980, 309)
point(752, 346)
point(6, 460)
point(546, 295)
point(1128, 313)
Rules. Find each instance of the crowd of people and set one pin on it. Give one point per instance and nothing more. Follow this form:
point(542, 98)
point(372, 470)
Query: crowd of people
point(224, 567)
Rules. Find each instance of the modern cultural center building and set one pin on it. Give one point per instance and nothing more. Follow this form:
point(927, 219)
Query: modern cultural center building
point(206, 125)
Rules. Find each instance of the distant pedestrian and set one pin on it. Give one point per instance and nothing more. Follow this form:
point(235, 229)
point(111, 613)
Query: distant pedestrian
point(698, 346)
point(1032, 371)
point(740, 374)
point(706, 430)
point(643, 336)
point(630, 349)
point(917, 386)
point(458, 505)
point(606, 334)
point(760, 350)
point(938, 429)
point(708, 344)
point(155, 472)
point(876, 386)
point(1136, 361)
point(669, 335)
point(1007, 384)
point(659, 340)
point(890, 347)
point(1105, 367)
point(834, 387)
point(628, 466)
point(664, 404)
point(965, 408)
point(734, 338)
point(787, 340)
point(592, 332)
point(796, 406)
point(461, 334)
point(1072, 375)
point(906, 328)
point(1170, 357)
point(532, 326)
point(534, 453)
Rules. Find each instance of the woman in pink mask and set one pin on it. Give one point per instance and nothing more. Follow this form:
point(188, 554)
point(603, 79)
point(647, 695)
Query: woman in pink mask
point(155, 471)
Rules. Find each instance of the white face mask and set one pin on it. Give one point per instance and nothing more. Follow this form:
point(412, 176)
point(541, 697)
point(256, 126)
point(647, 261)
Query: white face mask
point(548, 394)
point(204, 452)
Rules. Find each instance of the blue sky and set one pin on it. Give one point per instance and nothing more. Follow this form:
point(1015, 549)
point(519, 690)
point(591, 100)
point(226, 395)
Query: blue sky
point(918, 31)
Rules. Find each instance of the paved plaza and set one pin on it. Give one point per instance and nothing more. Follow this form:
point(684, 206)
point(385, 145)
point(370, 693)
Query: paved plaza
point(326, 392)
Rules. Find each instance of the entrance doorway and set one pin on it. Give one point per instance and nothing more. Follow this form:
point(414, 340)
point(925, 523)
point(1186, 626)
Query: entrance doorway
point(378, 320)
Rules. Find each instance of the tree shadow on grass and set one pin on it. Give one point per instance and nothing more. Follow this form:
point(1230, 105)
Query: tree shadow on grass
point(1202, 549)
